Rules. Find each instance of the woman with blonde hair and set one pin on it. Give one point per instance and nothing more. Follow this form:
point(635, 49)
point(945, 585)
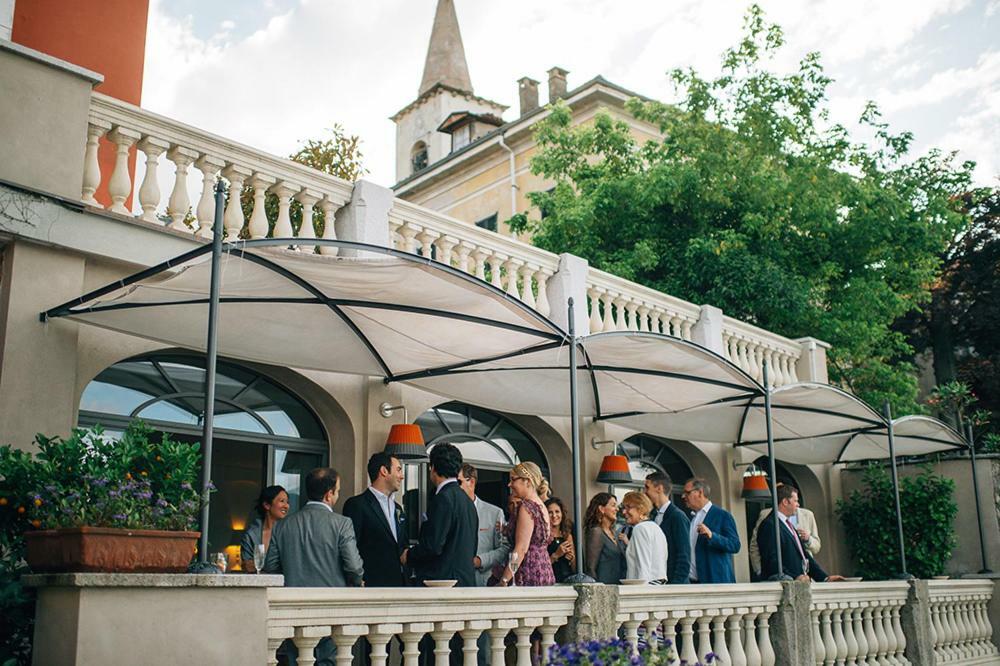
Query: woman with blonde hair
point(646, 549)
point(529, 559)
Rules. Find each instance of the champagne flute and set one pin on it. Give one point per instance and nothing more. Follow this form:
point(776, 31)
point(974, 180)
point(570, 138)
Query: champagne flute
point(258, 557)
point(513, 564)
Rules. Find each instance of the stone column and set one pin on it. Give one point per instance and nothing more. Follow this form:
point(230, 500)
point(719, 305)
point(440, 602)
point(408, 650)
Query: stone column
point(707, 331)
point(569, 281)
point(594, 614)
point(916, 619)
point(365, 218)
point(791, 626)
point(811, 366)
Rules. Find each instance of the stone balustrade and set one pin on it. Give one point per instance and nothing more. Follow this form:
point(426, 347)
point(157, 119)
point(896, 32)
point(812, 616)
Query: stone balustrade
point(729, 621)
point(307, 615)
point(615, 304)
point(859, 623)
point(748, 346)
point(960, 623)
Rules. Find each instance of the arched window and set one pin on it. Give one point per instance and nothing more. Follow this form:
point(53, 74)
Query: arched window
point(418, 157)
point(263, 433)
point(647, 454)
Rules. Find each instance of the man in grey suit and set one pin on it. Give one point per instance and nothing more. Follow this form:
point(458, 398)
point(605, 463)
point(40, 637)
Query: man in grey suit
point(491, 548)
point(315, 547)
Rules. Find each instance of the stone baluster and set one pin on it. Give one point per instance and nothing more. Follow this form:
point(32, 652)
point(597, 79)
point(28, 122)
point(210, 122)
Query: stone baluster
point(257, 226)
point(120, 184)
point(731, 350)
point(470, 636)
point(719, 646)
point(750, 645)
point(497, 636)
point(829, 644)
point(479, 259)
point(409, 232)
point(445, 249)
point(91, 164)
point(650, 626)
point(737, 656)
point(523, 633)
point(205, 211)
point(594, 300)
point(644, 318)
point(686, 325)
point(870, 636)
point(631, 307)
point(740, 357)
point(411, 636)
point(754, 358)
point(232, 218)
point(344, 637)
point(969, 629)
point(897, 631)
point(464, 252)
point(767, 656)
point(937, 634)
point(329, 209)
point(670, 639)
point(879, 627)
point(819, 650)
point(149, 191)
point(495, 261)
point(395, 240)
point(528, 271)
point(785, 362)
point(705, 634)
point(630, 627)
point(548, 632)
point(608, 324)
point(306, 639)
point(379, 640)
point(985, 632)
point(512, 267)
point(849, 636)
point(283, 223)
point(837, 624)
point(621, 323)
point(307, 230)
point(275, 637)
point(948, 633)
point(687, 651)
point(180, 203)
point(655, 320)
point(427, 238)
point(542, 304)
point(890, 635)
point(864, 649)
point(963, 625)
point(443, 631)
point(767, 356)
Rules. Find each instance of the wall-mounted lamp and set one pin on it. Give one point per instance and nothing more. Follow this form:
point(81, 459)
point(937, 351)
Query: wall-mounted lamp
point(614, 467)
point(405, 440)
point(754, 483)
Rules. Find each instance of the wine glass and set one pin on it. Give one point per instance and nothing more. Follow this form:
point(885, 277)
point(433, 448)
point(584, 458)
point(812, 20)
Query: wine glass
point(258, 557)
point(513, 564)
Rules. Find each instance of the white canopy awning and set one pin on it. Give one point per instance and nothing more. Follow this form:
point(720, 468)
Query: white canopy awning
point(619, 372)
point(388, 314)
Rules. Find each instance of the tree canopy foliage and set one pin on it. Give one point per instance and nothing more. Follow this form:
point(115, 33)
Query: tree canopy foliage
point(754, 201)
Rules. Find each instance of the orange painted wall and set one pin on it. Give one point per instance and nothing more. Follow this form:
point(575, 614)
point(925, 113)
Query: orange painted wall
point(106, 36)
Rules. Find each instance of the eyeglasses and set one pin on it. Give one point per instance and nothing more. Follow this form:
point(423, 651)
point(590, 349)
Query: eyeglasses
point(685, 493)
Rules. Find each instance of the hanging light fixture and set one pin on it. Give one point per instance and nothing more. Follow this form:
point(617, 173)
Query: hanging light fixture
point(614, 467)
point(755, 485)
point(405, 440)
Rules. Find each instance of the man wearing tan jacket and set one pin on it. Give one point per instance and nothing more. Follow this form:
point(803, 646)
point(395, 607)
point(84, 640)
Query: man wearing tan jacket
point(805, 524)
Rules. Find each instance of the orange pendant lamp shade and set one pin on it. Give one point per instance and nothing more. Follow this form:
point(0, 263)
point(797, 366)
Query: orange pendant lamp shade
point(614, 469)
point(406, 442)
point(755, 486)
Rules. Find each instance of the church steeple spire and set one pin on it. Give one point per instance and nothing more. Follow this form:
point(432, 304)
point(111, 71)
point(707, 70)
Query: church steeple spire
point(445, 61)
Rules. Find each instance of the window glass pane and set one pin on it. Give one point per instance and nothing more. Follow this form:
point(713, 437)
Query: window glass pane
point(239, 421)
point(481, 422)
point(111, 399)
point(166, 411)
point(140, 376)
point(456, 421)
point(290, 470)
point(476, 451)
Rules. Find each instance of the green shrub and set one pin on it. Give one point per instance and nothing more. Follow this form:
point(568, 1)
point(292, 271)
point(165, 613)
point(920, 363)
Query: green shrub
point(869, 519)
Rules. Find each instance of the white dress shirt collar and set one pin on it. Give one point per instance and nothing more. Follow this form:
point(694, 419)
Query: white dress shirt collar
point(445, 483)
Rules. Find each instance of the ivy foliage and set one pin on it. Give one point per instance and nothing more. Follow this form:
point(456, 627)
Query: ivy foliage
point(755, 202)
point(869, 518)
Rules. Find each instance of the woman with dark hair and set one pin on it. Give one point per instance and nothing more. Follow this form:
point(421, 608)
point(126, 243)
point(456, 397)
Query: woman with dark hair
point(605, 560)
point(562, 554)
point(271, 506)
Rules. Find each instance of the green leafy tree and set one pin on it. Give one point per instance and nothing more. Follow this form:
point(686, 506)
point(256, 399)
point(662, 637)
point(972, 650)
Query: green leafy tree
point(753, 201)
point(869, 518)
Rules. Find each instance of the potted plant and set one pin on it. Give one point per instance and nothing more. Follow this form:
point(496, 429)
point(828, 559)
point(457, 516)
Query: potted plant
point(105, 505)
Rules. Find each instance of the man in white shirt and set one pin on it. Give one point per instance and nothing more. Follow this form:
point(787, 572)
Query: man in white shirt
point(379, 524)
point(713, 536)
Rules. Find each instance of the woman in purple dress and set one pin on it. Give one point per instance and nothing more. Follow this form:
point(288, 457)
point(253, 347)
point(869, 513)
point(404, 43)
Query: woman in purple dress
point(529, 558)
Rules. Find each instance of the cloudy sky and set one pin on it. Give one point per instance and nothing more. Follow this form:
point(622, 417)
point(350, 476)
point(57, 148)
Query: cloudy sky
point(270, 73)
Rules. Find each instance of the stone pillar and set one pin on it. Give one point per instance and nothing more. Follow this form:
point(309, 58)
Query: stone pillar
point(707, 331)
point(365, 218)
point(569, 281)
point(811, 366)
point(594, 614)
point(791, 628)
point(916, 619)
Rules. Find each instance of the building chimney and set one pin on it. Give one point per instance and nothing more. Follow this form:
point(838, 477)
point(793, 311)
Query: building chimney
point(527, 90)
point(557, 83)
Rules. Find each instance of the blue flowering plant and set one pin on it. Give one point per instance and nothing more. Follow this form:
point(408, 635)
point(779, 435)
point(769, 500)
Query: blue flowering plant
point(616, 652)
point(142, 480)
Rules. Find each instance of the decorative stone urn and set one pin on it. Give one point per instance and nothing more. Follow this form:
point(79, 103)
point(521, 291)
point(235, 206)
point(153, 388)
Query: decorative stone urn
point(109, 550)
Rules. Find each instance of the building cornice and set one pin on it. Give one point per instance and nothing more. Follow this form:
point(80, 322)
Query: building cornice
point(440, 88)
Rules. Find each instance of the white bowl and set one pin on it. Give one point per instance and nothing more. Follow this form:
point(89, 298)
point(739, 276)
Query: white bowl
point(633, 581)
point(940, 577)
point(854, 579)
point(440, 583)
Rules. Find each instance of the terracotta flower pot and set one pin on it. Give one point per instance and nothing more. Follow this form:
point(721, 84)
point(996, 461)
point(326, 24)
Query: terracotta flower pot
point(109, 550)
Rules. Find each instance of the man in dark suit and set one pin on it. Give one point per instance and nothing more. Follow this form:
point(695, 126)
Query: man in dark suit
point(379, 524)
point(713, 537)
point(796, 561)
point(675, 526)
point(449, 536)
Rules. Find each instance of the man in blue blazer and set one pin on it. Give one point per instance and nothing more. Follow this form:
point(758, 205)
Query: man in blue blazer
point(675, 526)
point(713, 538)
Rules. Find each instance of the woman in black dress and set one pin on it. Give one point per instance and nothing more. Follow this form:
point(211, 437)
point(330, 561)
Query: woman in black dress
point(562, 553)
point(605, 561)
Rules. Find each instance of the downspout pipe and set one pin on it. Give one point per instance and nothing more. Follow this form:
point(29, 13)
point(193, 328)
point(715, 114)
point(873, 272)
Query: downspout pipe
point(513, 180)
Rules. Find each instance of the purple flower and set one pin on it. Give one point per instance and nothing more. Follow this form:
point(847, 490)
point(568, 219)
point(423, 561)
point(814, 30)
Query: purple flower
point(100, 483)
point(113, 493)
point(119, 516)
point(162, 503)
point(145, 495)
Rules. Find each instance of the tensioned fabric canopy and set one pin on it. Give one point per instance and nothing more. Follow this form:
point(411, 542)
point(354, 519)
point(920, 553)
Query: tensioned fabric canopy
point(619, 371)
point(384, 314)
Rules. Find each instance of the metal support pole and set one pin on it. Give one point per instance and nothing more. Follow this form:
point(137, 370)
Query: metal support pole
point(780, 575)
point(895, 493)
point(975, 489)
point(211, 352)
point(574, 408)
